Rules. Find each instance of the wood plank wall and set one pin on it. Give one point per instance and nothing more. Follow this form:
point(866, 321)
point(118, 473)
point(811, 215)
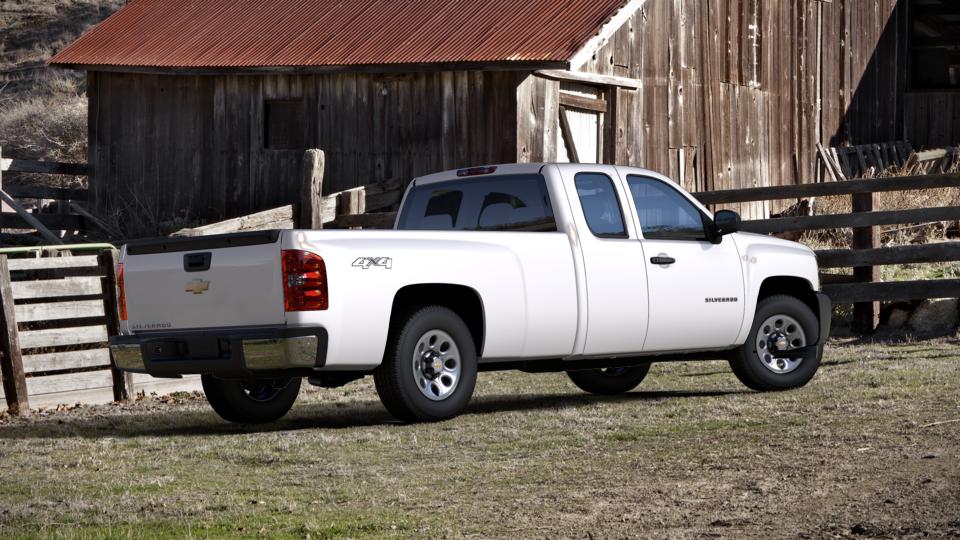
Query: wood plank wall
point(736, 93)
point(166, 149)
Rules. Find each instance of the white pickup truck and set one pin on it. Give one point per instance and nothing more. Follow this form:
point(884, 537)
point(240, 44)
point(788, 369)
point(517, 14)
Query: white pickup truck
point(595, 270)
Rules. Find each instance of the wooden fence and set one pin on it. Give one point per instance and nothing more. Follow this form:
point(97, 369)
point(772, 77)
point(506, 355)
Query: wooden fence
point(70, 216)
point(371, 206)
point(863, 288)
point(55, 321)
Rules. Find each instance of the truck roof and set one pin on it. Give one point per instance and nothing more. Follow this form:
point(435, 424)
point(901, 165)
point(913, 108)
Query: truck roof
point(469, 173)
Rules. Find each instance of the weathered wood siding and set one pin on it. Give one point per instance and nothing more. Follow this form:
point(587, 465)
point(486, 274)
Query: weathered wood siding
point(167, 149)
point(932, 119)
point(737, 93)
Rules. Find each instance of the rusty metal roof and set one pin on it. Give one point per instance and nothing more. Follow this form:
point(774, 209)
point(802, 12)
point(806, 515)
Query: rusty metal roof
point(305, 33)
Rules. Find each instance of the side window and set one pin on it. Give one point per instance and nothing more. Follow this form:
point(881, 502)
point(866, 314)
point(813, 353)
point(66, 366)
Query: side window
point(664, 213)
point(500, 203)
point(600, 204)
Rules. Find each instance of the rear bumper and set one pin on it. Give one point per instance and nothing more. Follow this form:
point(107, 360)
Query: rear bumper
point(225, 353)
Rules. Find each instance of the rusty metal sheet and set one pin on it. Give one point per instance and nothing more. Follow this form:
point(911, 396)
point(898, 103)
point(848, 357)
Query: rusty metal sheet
point(292, 33)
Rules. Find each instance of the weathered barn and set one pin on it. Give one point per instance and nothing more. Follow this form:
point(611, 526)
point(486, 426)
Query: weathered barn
point(203, 109)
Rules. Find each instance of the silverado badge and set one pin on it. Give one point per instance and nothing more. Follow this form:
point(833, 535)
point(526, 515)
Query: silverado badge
point(197, 286)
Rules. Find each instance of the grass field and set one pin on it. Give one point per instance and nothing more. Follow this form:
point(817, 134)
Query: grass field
point(690, 454)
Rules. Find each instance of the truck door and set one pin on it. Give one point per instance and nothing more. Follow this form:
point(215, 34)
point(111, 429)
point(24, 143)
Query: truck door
point(696, 287)
point(614, 273)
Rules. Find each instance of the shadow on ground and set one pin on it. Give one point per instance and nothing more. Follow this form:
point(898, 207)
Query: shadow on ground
point(182, 421)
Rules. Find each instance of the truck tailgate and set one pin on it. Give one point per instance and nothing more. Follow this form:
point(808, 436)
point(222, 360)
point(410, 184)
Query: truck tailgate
point(218, 281)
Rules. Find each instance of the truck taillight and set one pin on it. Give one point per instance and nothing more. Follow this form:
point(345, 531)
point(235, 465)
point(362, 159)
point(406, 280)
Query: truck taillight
point(122, 296)
point(304, 281)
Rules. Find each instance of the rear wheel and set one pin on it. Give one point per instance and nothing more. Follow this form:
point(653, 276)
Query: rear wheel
point(430, 368)
point(781, 323)
point(250, 400)
point(609, 381)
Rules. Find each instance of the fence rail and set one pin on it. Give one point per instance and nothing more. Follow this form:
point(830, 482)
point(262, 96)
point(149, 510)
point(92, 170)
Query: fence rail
point(826, 189)
point(863, 289)
point(43, 167)
point(857, 219)
point(926, 253)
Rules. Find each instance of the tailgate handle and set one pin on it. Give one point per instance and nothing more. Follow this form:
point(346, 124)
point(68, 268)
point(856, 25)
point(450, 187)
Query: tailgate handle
point(197, 262)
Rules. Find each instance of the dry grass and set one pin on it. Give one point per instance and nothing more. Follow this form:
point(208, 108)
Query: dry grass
point(51, 126)
point(691, 454)
point(43, 110)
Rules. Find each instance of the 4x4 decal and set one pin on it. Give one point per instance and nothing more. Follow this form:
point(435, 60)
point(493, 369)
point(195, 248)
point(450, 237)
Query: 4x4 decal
point(367, 262)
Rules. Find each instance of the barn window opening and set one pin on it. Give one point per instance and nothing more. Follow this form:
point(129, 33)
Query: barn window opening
point(934, 44)
point(583, 112)
point(284, 125)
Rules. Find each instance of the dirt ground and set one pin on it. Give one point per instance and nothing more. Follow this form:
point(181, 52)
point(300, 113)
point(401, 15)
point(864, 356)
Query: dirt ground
point(870, 449)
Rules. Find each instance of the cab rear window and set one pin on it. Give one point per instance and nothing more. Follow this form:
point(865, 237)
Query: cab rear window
point(501, 203)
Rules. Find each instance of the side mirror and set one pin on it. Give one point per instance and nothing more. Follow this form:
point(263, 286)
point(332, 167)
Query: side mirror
point(727, 221)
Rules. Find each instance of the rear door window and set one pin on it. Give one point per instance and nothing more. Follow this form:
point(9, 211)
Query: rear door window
point(601, 205)
point(499, 203)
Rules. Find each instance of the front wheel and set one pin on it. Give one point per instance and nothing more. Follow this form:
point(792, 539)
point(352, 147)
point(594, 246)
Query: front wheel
point(609, 381)
point(252, 401)
point(430, 368)
point(781, 323)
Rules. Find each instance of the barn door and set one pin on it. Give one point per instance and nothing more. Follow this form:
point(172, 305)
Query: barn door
point(583, 112)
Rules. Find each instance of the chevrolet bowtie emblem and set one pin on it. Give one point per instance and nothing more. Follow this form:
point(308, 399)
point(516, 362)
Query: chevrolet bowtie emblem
point(197, 286)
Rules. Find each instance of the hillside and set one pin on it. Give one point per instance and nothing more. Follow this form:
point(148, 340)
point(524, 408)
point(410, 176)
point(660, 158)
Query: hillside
point(43, 110)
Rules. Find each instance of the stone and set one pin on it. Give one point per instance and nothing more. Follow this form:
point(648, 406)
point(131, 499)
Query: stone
point(898, 319)
point(935, 316)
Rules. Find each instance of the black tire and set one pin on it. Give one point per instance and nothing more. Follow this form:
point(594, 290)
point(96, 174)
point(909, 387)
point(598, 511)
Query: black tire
point(250, 401)
point(610, 381)
point(746, 362)
point(397, 381)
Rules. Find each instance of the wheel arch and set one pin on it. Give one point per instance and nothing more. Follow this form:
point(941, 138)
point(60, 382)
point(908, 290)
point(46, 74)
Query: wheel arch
point(463, 300)
point(795, 286)
point(791, 285)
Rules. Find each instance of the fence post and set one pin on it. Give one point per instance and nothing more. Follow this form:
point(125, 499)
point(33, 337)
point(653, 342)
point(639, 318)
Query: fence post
point(3, 205)
point(311, 191)
point(352, 202)
point(866, 315)
point(122, 382)
point(11, 361)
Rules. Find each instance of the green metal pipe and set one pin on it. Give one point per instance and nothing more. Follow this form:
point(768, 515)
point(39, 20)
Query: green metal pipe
point(66, 247)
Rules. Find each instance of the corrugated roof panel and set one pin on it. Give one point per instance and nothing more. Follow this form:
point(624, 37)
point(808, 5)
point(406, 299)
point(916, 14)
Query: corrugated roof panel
point(303, 33)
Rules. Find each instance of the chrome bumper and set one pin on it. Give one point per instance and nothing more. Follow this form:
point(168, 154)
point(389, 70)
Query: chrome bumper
point(127, 357)
point(281, 353)
point(175, 354)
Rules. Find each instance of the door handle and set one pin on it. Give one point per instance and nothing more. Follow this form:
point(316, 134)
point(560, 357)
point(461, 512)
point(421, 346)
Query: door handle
point(662, 259)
